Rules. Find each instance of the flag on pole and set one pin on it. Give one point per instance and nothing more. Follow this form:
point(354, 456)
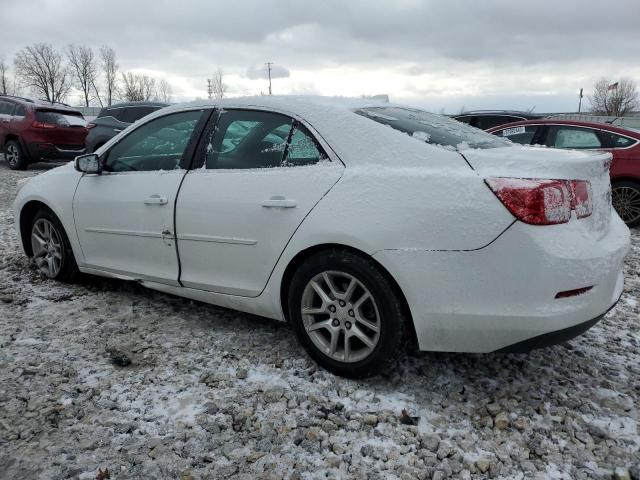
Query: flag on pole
point(613, 86)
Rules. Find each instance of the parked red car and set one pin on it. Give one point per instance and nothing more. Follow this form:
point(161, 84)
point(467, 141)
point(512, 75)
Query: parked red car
point(623, 143)
point(33, 130)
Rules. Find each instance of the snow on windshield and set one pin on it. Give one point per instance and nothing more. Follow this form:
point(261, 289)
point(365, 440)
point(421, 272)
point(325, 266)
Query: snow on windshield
point(432, 128)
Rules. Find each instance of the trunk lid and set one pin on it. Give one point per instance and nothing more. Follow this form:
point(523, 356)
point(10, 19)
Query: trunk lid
point(553, 164)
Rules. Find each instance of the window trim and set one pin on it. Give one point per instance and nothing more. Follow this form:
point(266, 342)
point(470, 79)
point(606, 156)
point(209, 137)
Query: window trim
point(211, 128)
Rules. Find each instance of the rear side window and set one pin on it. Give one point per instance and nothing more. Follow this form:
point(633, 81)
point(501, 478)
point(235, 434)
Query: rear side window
point(254, 139)
point(60, 119)
point(432, 128)
point(522, 134)
point(618, 141)
point(20, 111)
point(573, 137)
point(6, 108)
point(133, 114)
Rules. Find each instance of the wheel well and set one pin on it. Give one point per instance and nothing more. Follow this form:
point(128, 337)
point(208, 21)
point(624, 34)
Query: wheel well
point(26, 217)
point(304, 254)
point(635, 180)
point(10, 137)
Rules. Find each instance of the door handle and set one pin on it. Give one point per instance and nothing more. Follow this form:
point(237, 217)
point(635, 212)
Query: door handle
point(117, 130)
point(278, 201)
point(156, 200)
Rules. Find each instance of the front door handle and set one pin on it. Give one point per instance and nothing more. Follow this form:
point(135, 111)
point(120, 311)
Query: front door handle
point(156, 200)
point(117, 130)
point(278, 201)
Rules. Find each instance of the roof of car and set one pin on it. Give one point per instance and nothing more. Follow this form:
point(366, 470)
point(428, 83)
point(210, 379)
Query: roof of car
point(40, 103)
point(500, 112)
point(550, 121)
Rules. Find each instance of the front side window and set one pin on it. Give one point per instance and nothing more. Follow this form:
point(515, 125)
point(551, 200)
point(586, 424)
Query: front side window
point(432, 128)
point(254, 139)
point(522, 134)
point(157, 145)
point(573, 137)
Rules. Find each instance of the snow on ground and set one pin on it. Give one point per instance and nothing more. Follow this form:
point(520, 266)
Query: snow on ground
point(213, 393)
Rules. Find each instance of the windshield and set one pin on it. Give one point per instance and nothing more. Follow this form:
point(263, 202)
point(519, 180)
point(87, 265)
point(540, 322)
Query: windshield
point(432, 128)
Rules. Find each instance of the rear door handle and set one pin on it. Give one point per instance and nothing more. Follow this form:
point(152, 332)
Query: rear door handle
point(278, 201)
point(156, 200)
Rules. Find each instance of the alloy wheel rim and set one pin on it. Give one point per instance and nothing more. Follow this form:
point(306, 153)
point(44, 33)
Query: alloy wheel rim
point(12, 154)
point(340, 316)
point(626, 201)
point(46, 243)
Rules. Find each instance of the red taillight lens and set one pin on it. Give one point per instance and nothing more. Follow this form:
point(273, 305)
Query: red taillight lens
point(543, 202)
point(581, 198)
point(90, 125)
point(42, 125)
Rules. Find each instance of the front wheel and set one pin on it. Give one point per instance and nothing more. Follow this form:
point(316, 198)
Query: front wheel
point(14, 155)
point(51, 249)
point(346, 313)
point(625, 198)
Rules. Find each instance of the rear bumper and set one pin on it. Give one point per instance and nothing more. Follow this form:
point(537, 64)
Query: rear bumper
point(504, 294)
point(49, 151)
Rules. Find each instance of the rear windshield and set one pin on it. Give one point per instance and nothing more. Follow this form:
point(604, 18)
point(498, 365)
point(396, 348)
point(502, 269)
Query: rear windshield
point(60, 119)
point(432, 128)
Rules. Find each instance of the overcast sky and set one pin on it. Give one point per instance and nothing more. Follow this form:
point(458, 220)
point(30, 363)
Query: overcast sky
point(440, 54)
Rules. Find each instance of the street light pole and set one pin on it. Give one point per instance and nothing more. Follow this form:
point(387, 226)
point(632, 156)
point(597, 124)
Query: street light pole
point(268, 64)
point(580, 101)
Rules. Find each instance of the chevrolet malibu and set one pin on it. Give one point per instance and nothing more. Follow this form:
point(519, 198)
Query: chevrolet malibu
point(367, 226)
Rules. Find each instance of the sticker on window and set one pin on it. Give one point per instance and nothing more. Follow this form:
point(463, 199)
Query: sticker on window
point(507, 132)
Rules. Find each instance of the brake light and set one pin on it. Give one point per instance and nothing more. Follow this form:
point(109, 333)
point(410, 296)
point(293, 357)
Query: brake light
point(91, 125)
point(543, 202)
point(581, 198)
point(37, 124)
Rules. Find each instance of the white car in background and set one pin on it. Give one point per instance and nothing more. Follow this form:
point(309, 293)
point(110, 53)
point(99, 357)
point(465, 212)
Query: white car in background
point(365, 225)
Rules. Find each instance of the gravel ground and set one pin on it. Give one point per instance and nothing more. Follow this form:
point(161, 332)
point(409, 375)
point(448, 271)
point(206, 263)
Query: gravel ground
point(212, 393)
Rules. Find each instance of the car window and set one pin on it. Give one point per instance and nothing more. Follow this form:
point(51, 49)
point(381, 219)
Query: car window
point(20, 111)
point(432, 128)
point(522, 134)
point(133, 114)
point(157, 145)
point(254, 139)
point(573, 137)
point(6, 108)
point(60, 118)
point(618, 141)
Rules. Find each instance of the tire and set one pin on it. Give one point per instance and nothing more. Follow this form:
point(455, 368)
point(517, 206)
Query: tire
point(51, 248)
point(625, 197)
point(341, 317)
point(15, 156)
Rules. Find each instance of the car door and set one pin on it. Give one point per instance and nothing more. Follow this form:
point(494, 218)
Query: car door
point(124, 217)
point(6, 111)
point(261, 173)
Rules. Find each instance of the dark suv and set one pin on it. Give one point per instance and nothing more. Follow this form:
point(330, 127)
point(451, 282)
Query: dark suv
point(484, 119)
point(34, 130)
point(112, 120)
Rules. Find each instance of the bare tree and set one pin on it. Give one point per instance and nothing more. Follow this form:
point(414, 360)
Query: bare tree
point(614, 99)
point(218, 87)
point(4, 77)
point(165, 91)
point(85, 69)
point(110, 72)
point(41, 68)
point(138, 88)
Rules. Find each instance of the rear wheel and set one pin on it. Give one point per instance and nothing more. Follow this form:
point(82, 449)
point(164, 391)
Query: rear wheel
point(625, 197)
point(346, 313)
point(14, 155)
point(51, 249)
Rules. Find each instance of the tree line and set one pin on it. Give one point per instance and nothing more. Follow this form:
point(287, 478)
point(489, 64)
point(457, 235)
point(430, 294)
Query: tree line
point(50, 74)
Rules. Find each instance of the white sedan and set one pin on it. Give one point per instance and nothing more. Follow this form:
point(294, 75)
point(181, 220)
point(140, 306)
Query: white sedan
point(367, 226)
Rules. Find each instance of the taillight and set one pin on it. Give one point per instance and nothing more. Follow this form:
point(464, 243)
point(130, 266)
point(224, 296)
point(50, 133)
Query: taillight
point(581, 198)
point(543, 202)
point(91, 125)
point(37, 124)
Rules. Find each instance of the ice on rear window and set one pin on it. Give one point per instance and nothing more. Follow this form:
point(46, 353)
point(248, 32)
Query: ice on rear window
point(431, 128)
point(60, 119)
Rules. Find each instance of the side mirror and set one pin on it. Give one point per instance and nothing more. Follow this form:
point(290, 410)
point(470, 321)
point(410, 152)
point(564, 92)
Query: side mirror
point(89, 163)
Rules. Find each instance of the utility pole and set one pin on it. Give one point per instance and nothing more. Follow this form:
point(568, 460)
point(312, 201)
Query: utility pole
point(580, 101)
point(268, 64)
point(209, 88)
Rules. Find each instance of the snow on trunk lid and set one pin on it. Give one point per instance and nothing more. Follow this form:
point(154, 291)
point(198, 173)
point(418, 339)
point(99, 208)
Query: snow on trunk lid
point(552, 164)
